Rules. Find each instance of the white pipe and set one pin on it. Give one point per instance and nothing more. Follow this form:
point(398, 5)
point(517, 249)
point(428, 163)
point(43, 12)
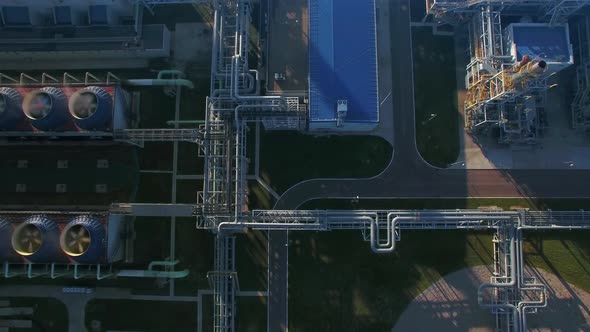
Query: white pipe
point(160, 82)
point(389, 245)
point(511, 283)
point(236, 92)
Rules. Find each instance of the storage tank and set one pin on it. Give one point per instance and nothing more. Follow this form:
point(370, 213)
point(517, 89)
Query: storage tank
point(83, 239)
point(46, 108)
point(36, 239)
point(11, 112)
point(91, 108)
point(5, 232)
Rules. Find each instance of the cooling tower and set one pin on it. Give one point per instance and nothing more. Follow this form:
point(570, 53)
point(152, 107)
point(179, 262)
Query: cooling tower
point(83, 239)
point(91, 108)
point(11, 113)
point(5, 232)
point(46, 108)
point(36, 239)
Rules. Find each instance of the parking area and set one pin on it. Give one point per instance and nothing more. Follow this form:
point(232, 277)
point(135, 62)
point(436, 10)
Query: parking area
point(286, 48)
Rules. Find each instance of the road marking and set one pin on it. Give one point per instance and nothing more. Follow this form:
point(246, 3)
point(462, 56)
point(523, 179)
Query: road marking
point(384, 99)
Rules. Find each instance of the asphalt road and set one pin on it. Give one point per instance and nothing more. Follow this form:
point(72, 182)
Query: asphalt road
point(278, 253)
point(408, 175)
point(402, 95)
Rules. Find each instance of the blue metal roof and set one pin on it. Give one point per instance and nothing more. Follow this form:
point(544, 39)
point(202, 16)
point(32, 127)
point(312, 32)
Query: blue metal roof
point(62, 15)
point(16, 15)
point(98, 14)
point(541, 42)
point(343, 59)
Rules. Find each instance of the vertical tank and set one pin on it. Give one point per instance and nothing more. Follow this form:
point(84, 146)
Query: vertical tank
point(36, 239)
point(46, 108)
point(91, 108)
point(5, 232)
point(83, 239)
point(11, 113)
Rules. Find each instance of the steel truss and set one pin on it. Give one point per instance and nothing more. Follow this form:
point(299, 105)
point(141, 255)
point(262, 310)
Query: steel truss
point(234, 102)
point(510, 294)
point(140, 136)
point(580, 106)
point(224, 282)
point(492, 98)
point(552, 11)
point(66, 79)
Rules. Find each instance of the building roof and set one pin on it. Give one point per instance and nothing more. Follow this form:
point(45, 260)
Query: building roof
point(541, 41)
point(343, 59)
point(16, 15)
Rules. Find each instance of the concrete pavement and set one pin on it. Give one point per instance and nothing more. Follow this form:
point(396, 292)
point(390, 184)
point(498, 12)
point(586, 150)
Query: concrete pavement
point(388, 96)
point(408, 175)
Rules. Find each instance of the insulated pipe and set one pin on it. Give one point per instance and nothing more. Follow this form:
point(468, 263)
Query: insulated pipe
point(511, 283)
point(160, 82)
point(170, 72)
point(239, 107)
point(236, 92)
point(516, 279)
point(531, 69)
point(248, 89)
point(241, 226)
point(389, 246)
point(228, 225)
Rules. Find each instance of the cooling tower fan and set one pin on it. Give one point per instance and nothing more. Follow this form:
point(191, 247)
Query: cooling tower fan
point(77, 240)
point(30, 239)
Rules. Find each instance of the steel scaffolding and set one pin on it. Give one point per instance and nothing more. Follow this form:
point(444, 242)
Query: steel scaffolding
point(140, 136)
point(235, 101)
point(224, 282)
point(497, 92)
point(455, 11)
point(580, 106)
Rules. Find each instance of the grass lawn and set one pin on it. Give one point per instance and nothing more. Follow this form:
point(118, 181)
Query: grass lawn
point(336, 283)
point(251, 313)
point(156, 156)
point(49, 315)
point(194, 249)
point(143, 315)
point(154, 188)
point(259, 197)
point(288, 157)
point(152, 239)
point(192, 105)
point(207, 313)
point(252, 260)
point(435, 94)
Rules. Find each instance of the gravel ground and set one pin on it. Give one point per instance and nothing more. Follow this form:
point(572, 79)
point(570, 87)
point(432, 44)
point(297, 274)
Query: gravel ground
point(450, 304)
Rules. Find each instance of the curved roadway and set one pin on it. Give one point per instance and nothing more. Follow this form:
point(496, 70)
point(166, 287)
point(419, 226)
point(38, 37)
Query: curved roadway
point(408, 175)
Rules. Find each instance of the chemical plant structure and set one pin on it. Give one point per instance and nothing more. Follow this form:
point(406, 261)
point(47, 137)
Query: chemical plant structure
point(45, 110)
point(506, 87)
point(515, 47)
point(221, 205)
